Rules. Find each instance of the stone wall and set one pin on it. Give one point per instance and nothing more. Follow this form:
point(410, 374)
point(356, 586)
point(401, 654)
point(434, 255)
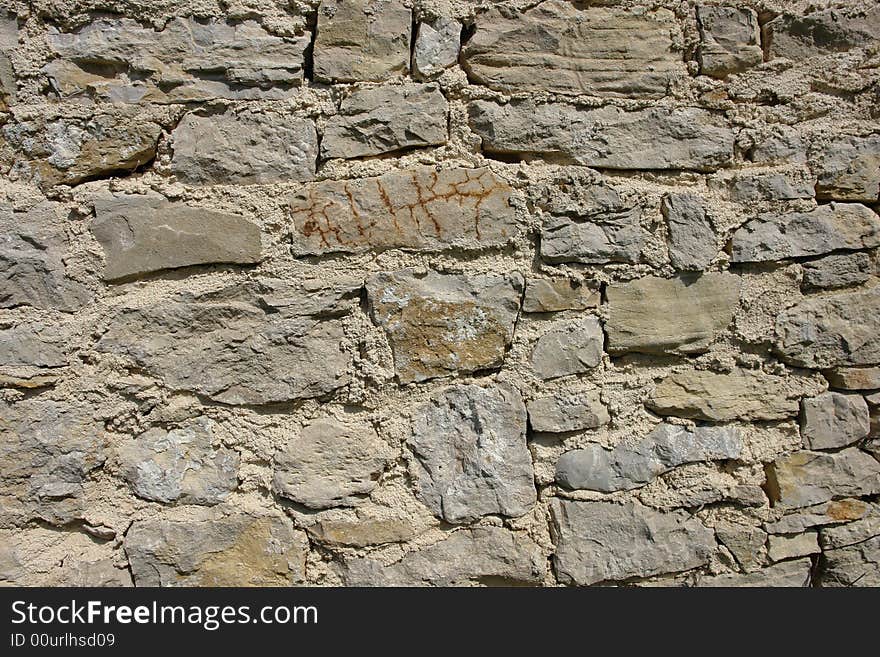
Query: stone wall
point(389, 292)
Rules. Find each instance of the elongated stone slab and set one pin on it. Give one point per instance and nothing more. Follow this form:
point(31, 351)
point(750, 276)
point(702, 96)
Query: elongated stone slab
point(630, 466)
point(807, 478)
point(420, 210)
point(186, 61)
point(838, 330)
point(559, 48)
point(681, 315)
point(607, 137)
point(827, 228)
point(143, 234)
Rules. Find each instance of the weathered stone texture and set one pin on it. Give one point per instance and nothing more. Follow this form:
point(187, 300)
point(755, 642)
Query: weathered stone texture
point(823, 230)
point(729, 40)
point(567, 411)
point(607, 137)
point(833, 420)
point(472, 460)
point(806, 478)
point(440, 324)
point(179, 465)
point(820, 33)
point(119, 60)
point(602, 541)
point(854, 378)
point(33, 245)
point(568, 348)
point(420, 210)
point(330, 464)
point(362, 40)
point(231, 349)
point(386, 119)
point(244, 148)
point(484, 555)
point(544, 295)
point(831, 331)
point(55, 148)
point(691, 236)
point(8, 42)
point(208, 548)
point(848, 168)
point(362, 532)
point(48, 449)
point(629, 466)
point(559, 48)
point(740, 394)
point(436, 47)
point(681, 315)
point(791, 574)
point(145, 233)
point(836, 271)
point(827, 513)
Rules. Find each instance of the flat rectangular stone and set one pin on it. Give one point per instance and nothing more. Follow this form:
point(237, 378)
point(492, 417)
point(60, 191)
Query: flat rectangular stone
point(119, 60)
point(544, 295)
point(567, 411)
point(854, 378)
point(848, 168)
point(729, 40)
point(386, 119)
point(146, 233)
point(442, 324)
point(807, 478)
point(820, 33)
point(561, 48)
point(680, 315)
point(797, 234)
point(362, 40)
point(607, 137)
point(421, 210)
point(244, 148)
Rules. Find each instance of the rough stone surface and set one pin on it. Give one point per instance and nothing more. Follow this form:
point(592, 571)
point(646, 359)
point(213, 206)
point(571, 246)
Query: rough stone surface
point(681, 315)
point(629, 466)
point(567, 411)
point(602, 541)
point(436, 47)
point(740, 394)
point(231, 350)
point(362, 532)
point(837, 271)
point(33, 244)
point(747, 187)
point(820, 33)
point(420, 210)
point(745, 543)
point(857, 565)
point(471, 454)
point(442, 324)
point(807, 478)
point(780, 548)
point(833, 420)
point(382, 120)
point(47, 451)
point(467, 557)
point(607, 137)
point(691, 236)
point(330, 464)
point(179, 465)
point(119, 60)
point(145, 233)
point(791, 574)
point(558, 48)
point(854, 378)
point(568, 348)
point(365, 40)
point(794, 235)
point(827, 513)
point(8, 42)
point(849, 168)
point(544, 295)
point(862, 529)
point(729, 40)
point(212, 549)
point(831, 331)
point(614, 237)
point(210, 150)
